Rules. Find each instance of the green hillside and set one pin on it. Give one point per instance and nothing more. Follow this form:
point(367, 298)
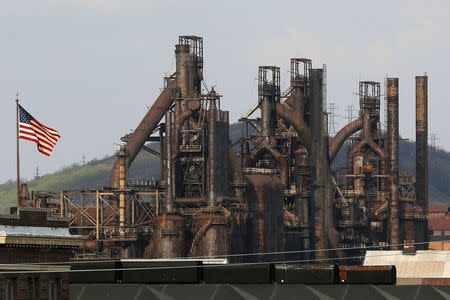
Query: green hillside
point(95, 174)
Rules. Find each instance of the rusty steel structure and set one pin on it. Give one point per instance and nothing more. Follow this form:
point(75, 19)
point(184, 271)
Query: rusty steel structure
point(271, 191)
point(422, 158)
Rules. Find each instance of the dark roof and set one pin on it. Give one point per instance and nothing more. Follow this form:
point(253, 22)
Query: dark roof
point(32, 217)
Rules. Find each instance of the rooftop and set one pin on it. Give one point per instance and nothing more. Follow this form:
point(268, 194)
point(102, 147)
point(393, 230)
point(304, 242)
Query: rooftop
point(439, 224)
point(424, 264)
point(438, 208)
point(34, 227)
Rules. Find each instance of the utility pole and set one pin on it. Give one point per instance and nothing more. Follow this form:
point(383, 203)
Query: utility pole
point(350, 112)
point(433, 140)
point(332, 118)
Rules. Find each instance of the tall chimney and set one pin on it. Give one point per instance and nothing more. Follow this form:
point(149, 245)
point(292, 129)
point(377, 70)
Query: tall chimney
point(393, 149)
point(319, 165)
point(170, 176)
point(422, 158)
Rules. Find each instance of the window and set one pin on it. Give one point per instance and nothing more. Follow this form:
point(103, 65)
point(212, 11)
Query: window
point(10, 289)
point(33, 287)
point(437, 232)
point(53, 289)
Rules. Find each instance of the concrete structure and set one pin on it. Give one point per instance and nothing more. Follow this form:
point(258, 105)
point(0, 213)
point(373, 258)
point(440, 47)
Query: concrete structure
point(426, 267)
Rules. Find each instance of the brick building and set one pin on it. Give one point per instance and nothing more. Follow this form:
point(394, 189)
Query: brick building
point(439, 226)
point(35, 250)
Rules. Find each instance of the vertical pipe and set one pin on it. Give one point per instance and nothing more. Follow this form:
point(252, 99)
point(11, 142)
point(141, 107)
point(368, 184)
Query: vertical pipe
point(301, 200)
point(266, 116)
point(183, 69)
point(122, 155)
point(185, 83)
point(162, 129)
point(168, 206)
point(61, 204)
point(393, 150)
point(133, 211)
point(422, 154)
point(212, 118)
point(97, 216)
point(318, 163)
point(157, 203)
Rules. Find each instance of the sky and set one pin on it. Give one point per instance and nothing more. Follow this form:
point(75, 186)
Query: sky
point(92, 68)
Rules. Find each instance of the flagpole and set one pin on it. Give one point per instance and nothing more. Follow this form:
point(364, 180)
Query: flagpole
point(17, 152)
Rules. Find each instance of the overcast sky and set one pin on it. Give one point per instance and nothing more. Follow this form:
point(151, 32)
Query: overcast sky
point(90, 68)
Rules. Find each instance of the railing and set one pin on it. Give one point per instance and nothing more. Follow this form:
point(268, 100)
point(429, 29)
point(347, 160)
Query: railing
point(191, 148)
point(259, 171)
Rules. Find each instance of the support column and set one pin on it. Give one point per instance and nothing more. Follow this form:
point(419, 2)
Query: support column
point(422, 158)
point(212, 176)
point(393, 150)
point(122, 157)
point(168, 205)
point(319, 165)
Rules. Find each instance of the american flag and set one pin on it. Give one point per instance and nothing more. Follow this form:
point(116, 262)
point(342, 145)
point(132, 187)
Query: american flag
point(32, 130)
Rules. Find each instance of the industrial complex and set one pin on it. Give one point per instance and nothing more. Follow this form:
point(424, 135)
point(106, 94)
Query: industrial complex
point(271, 194)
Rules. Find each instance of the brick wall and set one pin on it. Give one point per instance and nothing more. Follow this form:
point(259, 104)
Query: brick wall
point(15, 255)
point(34, 217)
point(24, 281)
point(25, 284)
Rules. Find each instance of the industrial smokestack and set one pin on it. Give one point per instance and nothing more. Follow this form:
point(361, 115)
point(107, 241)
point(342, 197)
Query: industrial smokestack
point(168, 207)
point(212, 144)
point(184, 69)
point(319, 163)
point(393, 150)
point(122, 156)
point(422, 157)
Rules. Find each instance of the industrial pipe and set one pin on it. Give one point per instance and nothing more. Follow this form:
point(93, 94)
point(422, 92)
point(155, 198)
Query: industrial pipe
point(343, 134)
point(184, 70)
point(297, 123)
point(266, 116)
point(319, 163)
point(393, 152)
point(212, 119)
point(422, 155)
point(144, 129)
point(302, 198)
point(169, 165)
point(122, 158)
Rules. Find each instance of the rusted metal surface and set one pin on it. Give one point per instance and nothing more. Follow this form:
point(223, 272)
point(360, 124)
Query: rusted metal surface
point(422, 155)
point(393, 150)
point(294, 118)
point(211, 235)
point(169, 167)
point(276, 192)
point(343, 135)
point(265, 199)
point(184, 71)
point(122, 156)
point(212, 148)
point(168, 238)
point(145, 128)
point(319, 164)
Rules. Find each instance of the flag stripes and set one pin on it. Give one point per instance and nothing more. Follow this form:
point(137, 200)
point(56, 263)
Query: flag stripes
point(32, 130)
